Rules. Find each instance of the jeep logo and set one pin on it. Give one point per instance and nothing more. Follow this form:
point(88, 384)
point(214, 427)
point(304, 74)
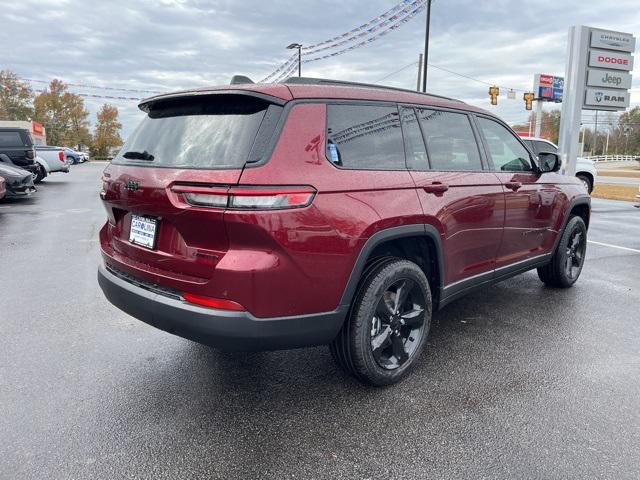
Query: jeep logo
point(131, 185)
point(612, 80)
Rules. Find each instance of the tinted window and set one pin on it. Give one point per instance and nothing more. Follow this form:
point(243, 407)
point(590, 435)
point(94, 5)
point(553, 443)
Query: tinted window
point(11, 139)
point(365, 137)
point(205, 132)
point(544, 147)
point(413, 143)
point(507, 153)
point(451, 144)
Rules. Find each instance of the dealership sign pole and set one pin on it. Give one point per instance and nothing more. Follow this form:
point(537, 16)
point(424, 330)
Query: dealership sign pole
point(597, 78)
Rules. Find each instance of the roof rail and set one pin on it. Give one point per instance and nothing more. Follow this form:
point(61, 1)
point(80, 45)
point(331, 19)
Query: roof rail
point(326, 81)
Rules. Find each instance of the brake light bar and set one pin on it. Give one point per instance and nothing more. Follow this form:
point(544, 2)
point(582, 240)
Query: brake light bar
point(246, 198)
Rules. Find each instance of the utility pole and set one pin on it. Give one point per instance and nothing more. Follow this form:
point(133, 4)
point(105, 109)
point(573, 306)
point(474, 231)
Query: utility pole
point(426, 47)
point(420, 59)
point(299, 47)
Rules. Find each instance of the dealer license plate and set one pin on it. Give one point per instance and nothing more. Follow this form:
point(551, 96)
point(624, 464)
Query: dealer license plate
point(143, 231)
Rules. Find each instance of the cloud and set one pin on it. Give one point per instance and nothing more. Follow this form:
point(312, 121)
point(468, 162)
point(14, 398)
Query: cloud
point(174, 44)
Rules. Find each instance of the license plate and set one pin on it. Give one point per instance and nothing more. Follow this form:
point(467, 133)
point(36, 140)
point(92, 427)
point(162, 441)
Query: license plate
point(143, 231)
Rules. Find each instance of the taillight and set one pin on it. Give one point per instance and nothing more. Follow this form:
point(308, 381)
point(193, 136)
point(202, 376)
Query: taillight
point(246, 198)
point(61, 156)
point(31, 154)
point(209, 302)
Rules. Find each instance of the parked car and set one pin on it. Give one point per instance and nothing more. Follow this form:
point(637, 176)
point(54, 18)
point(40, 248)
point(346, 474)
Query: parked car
point(84, 157)
point(3, 188)
point(73, 157)
point(585, 168)
point(17, 146)
point(320, 212)
point(18, 182)
point(54, 157)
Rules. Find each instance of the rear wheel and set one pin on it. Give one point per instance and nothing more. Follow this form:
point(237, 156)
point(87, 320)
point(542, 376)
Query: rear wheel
point(388, 323)
point(39, 176)
point(566, 264)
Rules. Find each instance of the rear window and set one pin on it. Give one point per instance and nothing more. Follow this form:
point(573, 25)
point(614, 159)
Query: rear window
point(205, 132)
point(365, 137)
point(451, 144)
point(12, 139)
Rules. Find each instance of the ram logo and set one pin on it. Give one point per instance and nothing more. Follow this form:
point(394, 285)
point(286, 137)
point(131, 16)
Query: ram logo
point(598, 96)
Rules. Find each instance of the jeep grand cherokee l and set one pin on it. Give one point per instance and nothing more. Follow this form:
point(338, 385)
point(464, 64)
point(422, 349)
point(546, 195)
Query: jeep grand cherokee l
point(257, 217)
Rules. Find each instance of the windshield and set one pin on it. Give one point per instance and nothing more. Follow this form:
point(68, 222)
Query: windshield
point(215, 131)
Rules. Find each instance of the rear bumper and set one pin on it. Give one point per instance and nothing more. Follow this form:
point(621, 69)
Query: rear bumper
point(226, 330)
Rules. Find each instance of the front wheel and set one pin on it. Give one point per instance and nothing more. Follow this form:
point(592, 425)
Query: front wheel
point(586, 182)
point(566, 264)
point(388, 323)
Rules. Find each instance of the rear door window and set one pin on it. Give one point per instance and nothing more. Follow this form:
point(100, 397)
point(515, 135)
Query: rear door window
point(204, 132)
point(451, 144)
point(11, 139)
point(365, 137)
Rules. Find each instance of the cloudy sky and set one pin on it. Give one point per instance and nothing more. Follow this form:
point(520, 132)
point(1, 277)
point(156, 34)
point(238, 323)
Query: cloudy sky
point(173, 44)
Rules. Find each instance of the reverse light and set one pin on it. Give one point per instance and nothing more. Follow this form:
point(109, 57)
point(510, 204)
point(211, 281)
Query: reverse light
point(247, 198)
point(209, 302)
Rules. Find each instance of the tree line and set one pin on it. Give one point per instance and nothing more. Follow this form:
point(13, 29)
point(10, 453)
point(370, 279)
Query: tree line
point(62, 113)
point(610, 135)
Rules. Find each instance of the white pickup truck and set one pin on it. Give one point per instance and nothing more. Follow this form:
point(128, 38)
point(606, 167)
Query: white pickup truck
point(52, 159)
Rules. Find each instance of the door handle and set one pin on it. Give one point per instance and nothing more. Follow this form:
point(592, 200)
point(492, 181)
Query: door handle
point(436, 187)
point(513, 185)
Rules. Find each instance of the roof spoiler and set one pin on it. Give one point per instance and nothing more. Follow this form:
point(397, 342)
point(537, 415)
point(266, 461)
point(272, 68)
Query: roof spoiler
point(240, 79)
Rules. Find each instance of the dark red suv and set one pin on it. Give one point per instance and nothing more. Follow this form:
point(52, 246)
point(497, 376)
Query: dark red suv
point(256, 217)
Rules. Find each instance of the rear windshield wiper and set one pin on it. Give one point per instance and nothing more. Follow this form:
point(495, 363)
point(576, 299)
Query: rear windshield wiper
point(139, 155)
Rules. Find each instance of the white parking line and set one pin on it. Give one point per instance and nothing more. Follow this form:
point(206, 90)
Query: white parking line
point(614, 246)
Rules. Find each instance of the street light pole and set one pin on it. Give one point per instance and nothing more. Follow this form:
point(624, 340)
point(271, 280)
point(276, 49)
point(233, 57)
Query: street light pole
point(426, 47)
point(299, 47)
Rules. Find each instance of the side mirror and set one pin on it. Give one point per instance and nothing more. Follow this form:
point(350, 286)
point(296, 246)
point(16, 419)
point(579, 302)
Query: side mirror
point(548, 162)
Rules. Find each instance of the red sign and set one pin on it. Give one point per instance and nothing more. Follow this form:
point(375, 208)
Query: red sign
point(36, 127)
point(546, 80)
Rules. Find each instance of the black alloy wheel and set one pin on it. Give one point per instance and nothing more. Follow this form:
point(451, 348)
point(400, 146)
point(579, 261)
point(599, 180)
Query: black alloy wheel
point(567, 261)
point(397, 324)
point(388, 323)
point(576, 248)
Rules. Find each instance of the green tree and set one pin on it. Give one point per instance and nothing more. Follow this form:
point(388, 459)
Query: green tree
point(106, 135)
point(15, 98)
point(64, 116)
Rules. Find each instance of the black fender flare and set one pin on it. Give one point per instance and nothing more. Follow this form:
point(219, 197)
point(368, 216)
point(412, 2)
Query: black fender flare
point(386, 235)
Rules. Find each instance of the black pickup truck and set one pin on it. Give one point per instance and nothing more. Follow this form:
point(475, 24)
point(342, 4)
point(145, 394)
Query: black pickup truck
point(17, 145)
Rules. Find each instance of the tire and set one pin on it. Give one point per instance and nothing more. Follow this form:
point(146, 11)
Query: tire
point(566, 264)
point(399, 330)
point(42, 173)
point(71, 160)
point(586, 181)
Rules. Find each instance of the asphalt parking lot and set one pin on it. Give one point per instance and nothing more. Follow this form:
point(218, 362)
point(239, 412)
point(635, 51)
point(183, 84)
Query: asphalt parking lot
point(518, 381)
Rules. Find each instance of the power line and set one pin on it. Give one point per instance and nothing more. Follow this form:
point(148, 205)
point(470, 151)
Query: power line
point(395, 72)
